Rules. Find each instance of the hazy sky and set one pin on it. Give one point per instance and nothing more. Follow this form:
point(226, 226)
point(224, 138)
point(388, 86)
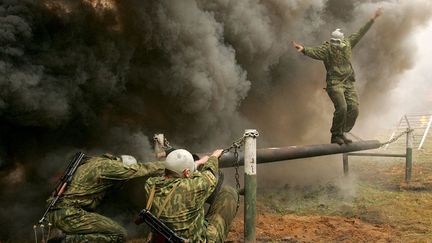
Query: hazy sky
point(414, 93)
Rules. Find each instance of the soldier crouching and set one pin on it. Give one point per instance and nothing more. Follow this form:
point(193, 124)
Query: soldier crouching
point(177, 199)
point(92, 180)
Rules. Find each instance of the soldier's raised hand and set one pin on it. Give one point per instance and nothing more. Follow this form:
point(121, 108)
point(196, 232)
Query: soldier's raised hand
point(297, 46)
point(377, 13)
point(217, 153)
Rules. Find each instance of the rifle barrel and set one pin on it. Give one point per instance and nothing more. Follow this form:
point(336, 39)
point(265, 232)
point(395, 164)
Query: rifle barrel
point(64, 181)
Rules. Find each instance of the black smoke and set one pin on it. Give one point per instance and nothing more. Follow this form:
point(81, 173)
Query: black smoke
point(104, 76)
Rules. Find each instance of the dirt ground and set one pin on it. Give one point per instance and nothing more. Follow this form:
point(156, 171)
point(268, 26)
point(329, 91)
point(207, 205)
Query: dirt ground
point(292, 228)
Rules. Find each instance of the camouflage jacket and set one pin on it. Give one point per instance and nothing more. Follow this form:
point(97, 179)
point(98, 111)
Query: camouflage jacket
point(184, 211)
point(337, 60)
point(99, 174)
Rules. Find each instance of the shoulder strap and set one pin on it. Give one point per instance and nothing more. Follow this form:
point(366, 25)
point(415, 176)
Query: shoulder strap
point(167, 199)
point(151, 197)
point(150, 202)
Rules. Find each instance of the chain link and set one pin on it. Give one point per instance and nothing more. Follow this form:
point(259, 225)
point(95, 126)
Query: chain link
point(253, 133)
point(236, 145)
point(397, 137)
point(165, 145)
point(237, 165)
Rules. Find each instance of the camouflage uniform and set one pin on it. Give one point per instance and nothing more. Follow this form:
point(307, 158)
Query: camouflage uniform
point(184, 211)
point(72, 214)
point(340, 79)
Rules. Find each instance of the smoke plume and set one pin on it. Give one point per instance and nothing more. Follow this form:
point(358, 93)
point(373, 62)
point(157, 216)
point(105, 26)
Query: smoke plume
point(104, 75)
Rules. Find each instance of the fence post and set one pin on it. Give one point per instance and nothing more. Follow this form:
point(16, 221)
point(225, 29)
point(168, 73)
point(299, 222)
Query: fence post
point(408, 159)
point(250, 185)
point(159, 141)
point(345, 163)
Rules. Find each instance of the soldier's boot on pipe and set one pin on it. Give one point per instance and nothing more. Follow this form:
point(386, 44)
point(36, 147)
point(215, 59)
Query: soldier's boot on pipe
point(337, 139)
point(345, 139)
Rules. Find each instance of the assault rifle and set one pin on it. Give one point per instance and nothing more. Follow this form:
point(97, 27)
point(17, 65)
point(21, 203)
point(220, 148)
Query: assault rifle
point(158, 226)
point(63, 182)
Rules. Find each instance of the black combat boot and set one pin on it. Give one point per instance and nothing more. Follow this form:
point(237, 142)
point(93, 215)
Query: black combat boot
point(345, 139)
point(337, 139)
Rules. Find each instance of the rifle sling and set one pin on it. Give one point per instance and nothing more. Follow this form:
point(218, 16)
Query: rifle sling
point(150, 203)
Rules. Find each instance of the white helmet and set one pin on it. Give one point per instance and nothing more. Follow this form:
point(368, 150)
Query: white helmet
point(337, 38)
point(128, 160)
point(337, 34)
point(179, 160)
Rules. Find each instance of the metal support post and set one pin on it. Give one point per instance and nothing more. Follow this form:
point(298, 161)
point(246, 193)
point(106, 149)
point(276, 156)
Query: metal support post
point(250, 185)
point(345, 163)
point(425, 133)
point(159, 141)
point(408, 160)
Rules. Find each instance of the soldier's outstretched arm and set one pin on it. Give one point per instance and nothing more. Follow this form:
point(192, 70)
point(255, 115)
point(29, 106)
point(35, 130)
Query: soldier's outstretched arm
point(204, 183)
point(297, 46)
point(319, 52)
point(355, 37)
point(114, 170)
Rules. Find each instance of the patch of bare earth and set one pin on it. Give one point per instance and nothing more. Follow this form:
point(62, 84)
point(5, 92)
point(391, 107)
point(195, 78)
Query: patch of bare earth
point(292, 228)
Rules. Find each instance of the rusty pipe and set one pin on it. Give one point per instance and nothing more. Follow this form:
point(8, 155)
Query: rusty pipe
point(268, 155)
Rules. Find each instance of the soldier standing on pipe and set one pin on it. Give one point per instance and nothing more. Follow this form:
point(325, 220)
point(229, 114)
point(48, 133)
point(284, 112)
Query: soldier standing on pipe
point(340, 78)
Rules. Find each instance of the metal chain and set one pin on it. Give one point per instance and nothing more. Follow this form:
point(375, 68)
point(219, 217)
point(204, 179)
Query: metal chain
point(252, 133)
point(235, 146)
point(237, 165)
point(166, 145)
point(397, 137)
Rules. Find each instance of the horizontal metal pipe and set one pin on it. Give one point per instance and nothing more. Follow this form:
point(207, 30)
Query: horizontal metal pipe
point(377, 155)
point(268, 155)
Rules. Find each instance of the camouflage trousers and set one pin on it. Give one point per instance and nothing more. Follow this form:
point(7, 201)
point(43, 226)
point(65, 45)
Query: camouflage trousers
point(221, 214)
point(82, 226)
point(345, 101)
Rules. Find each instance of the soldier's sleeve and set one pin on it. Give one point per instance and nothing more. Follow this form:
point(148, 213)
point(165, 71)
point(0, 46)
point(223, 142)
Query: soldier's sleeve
point(211, 165)
point(355, 37)
point(319, 52)
point(115, 170)
point(205, 181)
